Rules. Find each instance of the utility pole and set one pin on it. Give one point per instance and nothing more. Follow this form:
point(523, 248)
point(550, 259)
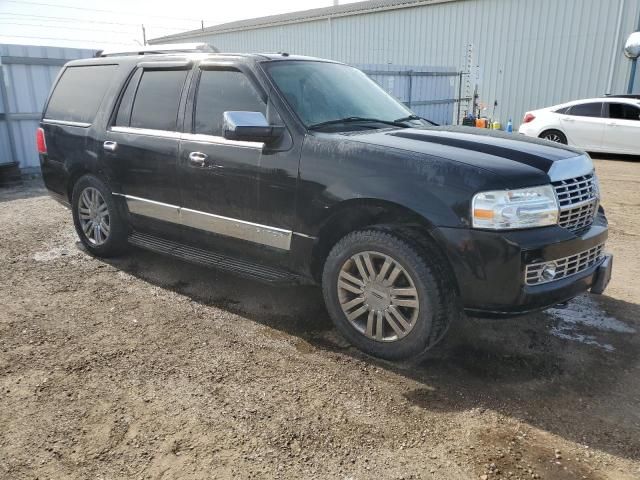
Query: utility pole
point(202, 25)
point(144, 36)
point(634, 66)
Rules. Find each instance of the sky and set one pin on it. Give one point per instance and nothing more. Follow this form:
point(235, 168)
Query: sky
point(112, 24)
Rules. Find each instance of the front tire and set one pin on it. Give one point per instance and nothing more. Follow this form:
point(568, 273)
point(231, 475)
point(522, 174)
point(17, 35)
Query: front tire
point(99, 223)
point(387, 295)
point(554, 136)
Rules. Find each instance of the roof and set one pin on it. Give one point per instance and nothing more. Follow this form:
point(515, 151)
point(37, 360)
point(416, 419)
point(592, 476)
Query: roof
point(356, 8)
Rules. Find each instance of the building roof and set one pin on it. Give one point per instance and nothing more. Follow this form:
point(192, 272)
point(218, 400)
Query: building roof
point(356, 8)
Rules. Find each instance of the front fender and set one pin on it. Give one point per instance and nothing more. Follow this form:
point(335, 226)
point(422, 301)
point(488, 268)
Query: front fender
point(412, 194)
point(336, 171)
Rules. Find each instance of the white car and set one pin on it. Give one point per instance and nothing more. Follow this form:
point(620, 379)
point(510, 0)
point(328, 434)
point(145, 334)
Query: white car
point(605, 125)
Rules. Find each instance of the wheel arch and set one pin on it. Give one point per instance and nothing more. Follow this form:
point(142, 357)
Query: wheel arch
point(357, 214)
point(554, 128)
point(79, 171)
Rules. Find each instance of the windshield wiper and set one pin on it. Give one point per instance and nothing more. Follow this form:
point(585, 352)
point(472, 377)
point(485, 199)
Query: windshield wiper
point(356, 120)
point(414, 117)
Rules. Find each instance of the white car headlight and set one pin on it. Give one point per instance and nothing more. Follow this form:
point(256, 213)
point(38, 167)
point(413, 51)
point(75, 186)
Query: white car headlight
point(510, 209)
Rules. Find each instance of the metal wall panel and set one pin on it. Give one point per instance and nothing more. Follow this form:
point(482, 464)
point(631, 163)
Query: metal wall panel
point(27, 72)
point(416, 90)
point(527, 54)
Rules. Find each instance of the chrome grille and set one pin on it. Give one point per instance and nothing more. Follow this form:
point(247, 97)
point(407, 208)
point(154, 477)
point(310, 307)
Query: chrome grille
point(565, 267)
point(579, 217)
point(578, 200)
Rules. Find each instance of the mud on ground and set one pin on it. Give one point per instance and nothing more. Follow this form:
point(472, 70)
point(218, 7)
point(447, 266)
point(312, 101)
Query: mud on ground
point(147, 367)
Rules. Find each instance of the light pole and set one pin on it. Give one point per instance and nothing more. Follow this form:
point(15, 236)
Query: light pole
point(632, 50)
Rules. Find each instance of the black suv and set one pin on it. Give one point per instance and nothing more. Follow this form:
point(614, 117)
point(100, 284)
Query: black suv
point(287, 168)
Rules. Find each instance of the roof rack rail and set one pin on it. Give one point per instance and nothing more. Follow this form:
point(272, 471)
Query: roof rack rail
point(161, 48)
point(636, 96)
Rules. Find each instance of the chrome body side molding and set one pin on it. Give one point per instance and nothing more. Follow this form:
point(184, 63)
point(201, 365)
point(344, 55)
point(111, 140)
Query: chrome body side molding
point(147, 131)
point(233, 227)
point(199, 137)
point(151, 208)
point(66, 122)
point(230, 227)
point(191, 137)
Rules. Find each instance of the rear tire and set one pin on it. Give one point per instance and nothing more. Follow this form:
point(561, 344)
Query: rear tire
point(554, 136)
point(388, 295)
point(100, 224)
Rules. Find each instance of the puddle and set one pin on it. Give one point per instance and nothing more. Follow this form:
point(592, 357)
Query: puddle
point(585, 314)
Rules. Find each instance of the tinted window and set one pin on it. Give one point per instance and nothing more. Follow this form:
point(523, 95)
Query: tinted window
point(124, 109)
point(79, 93)
point(222, 91)
point(157, 99)
point(563, 110)
point(586, 110)
point(321, 91)
point(623, 111)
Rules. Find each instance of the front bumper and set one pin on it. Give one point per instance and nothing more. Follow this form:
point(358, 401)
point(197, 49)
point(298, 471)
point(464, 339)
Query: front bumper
point(490, 266)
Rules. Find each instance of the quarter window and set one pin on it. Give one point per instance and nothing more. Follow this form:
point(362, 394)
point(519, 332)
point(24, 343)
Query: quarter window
point(586, 110)
point(157, 99)
point(222, 91)
point(623, 111)
point(79, 93)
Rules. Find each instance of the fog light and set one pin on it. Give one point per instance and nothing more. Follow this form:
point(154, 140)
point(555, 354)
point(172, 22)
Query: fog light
point(548, 272)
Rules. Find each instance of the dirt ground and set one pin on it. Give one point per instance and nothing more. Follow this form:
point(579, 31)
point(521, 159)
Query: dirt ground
point(147, 367)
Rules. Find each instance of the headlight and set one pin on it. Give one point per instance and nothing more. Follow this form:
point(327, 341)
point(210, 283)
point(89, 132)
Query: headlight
point(509, 209)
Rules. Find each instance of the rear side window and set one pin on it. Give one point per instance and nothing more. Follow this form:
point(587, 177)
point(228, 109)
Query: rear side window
point(586, 110)
point(79, 93)
point(563, 110)
point(623, 111)
point(157, 99)
point(222, 91)
point(124, 109)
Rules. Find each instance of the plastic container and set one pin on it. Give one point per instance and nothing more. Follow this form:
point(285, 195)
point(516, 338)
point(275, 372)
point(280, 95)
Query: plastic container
point(510, 126)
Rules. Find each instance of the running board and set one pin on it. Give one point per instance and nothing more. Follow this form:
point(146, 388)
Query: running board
point(211, 259)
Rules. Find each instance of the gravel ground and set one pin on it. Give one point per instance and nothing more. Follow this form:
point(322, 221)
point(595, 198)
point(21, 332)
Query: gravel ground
point(146, 367)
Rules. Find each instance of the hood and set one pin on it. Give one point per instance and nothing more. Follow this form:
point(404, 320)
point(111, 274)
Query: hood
point(511, 156)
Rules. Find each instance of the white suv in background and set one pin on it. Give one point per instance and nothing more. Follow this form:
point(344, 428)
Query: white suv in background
point(606, 125)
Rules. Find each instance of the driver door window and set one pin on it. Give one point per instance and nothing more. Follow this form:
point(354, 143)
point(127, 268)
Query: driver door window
point(624, 111)
point(622, 131)
point(221, 91)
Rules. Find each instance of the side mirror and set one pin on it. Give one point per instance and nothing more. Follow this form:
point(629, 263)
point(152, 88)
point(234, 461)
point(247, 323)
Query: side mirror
point(249, 127)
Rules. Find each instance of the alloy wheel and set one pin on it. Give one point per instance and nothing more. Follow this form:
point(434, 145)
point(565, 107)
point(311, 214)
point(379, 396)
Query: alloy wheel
point(93, 214)
point(378, 296)
point(553, 137)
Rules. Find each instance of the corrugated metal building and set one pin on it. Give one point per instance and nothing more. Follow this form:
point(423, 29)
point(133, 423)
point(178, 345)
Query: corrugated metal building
point(26, 75)
point(524, 54)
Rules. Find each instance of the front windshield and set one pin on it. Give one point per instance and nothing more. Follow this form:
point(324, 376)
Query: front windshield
point(322, 92)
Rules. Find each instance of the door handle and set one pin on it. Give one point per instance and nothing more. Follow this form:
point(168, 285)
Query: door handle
point(613, 124)
point(197, 158)
point(570, 119)
point(110, 146)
